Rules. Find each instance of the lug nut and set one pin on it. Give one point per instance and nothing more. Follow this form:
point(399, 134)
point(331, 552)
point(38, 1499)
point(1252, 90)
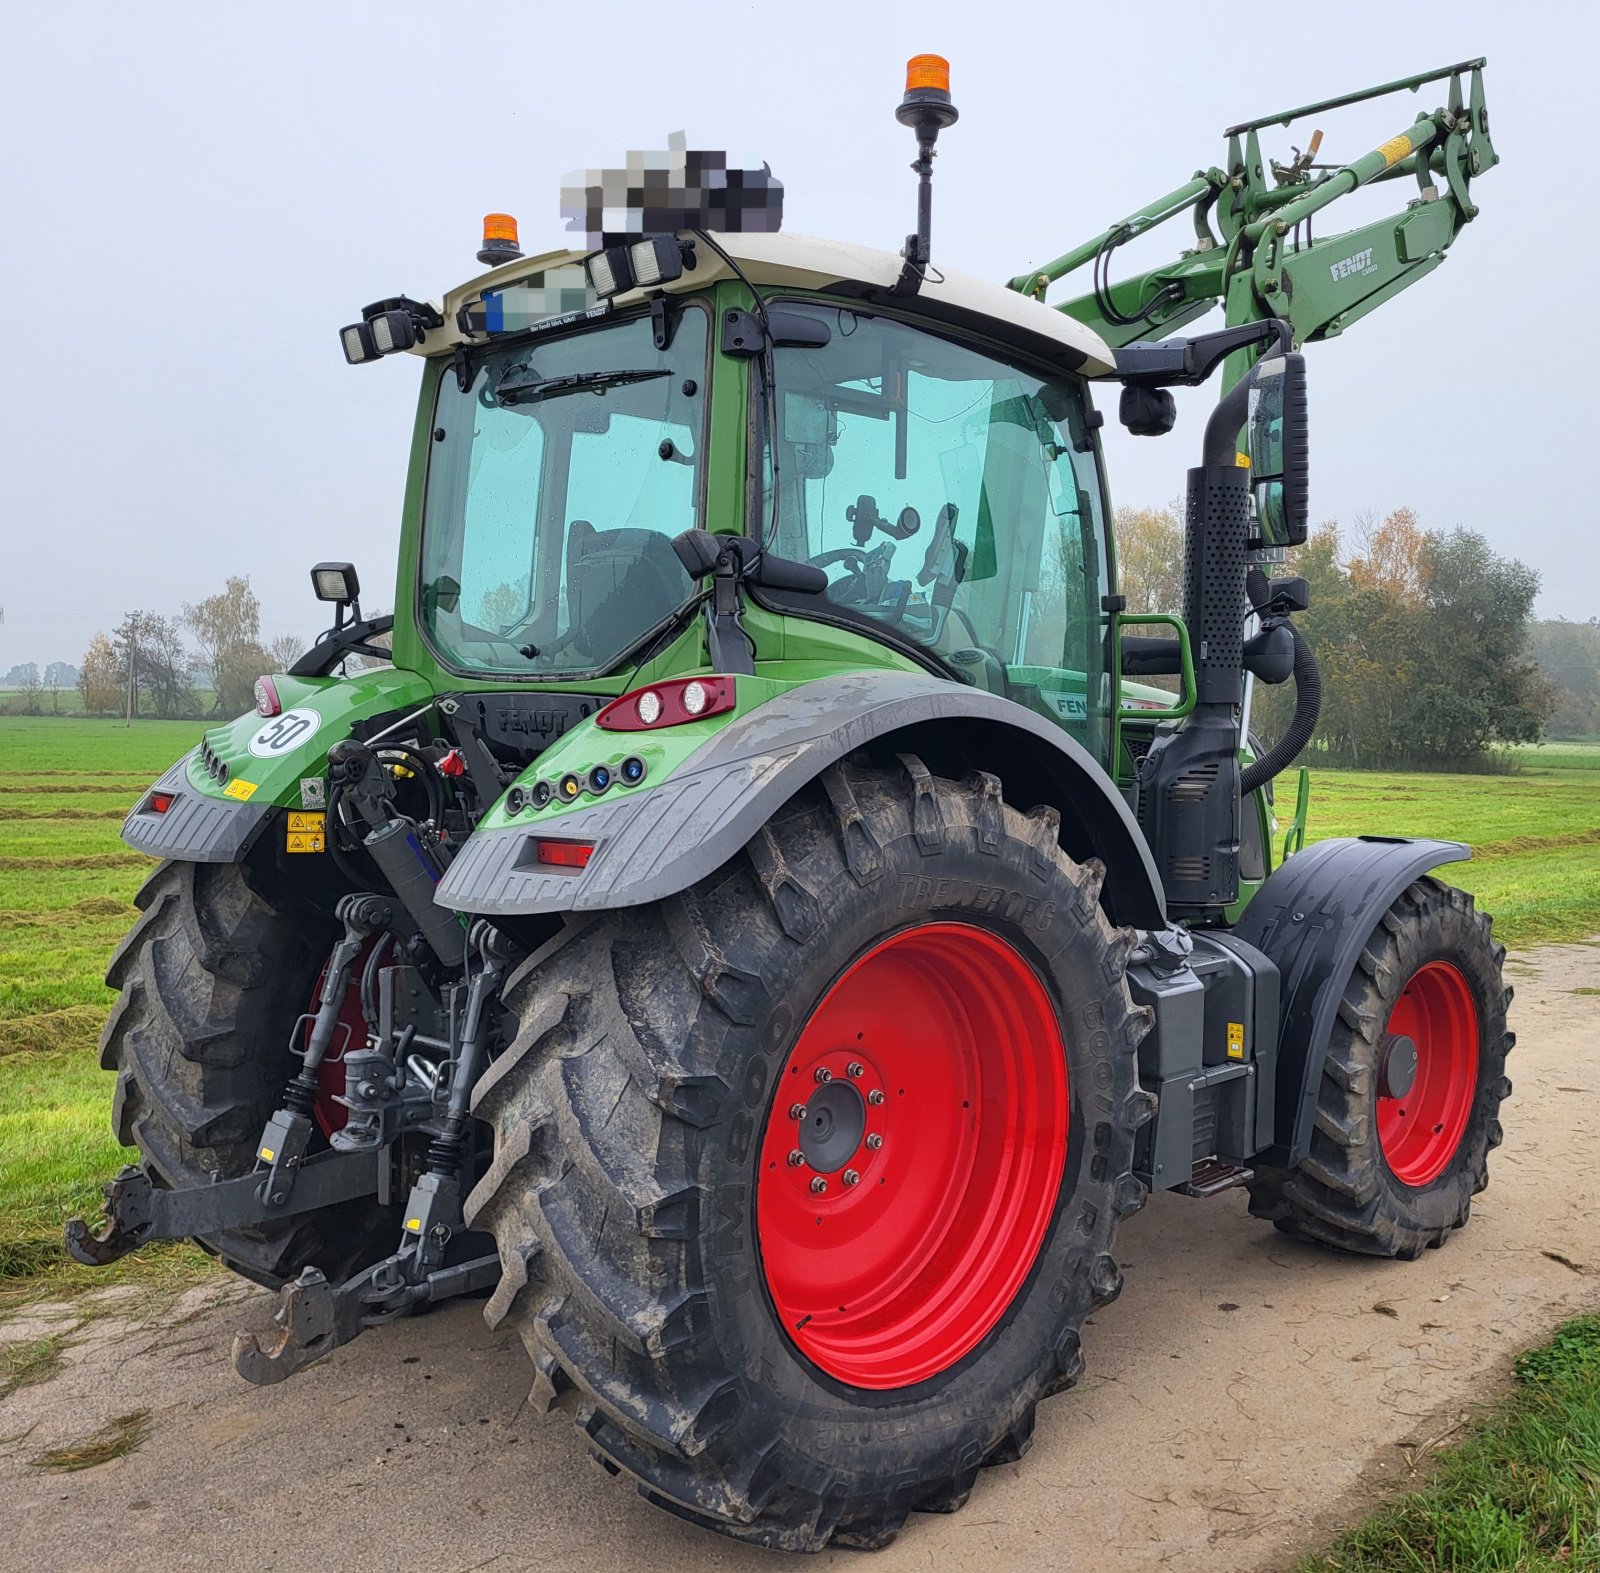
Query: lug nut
point(875, 1096)
point(874, 1141)
point(824, 1074)
point(796, 1158)
point(797, 1111)
point(818, 1185)
point(851, 1177)
point(856, 1068)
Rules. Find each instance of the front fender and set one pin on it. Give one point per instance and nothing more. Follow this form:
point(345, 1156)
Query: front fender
point(1312, 917)
point(656, 841)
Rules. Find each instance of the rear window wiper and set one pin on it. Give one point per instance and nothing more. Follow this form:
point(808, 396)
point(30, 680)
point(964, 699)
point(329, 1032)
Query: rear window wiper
point(516, 387)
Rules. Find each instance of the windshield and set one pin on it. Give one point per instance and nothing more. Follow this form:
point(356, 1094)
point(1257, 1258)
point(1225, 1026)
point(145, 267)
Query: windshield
point(953, 498)
point(555, 485)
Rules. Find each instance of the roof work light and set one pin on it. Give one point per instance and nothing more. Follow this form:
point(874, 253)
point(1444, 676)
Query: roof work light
point(640, 264)
point(386, 327)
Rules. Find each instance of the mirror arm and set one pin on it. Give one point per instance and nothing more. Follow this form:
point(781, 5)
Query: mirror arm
point(1222, 429)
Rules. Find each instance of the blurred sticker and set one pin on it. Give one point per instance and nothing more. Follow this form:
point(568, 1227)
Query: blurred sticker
point(304, 841)
point(663, 191)
point(243, 790)
point(313, 792)
point(1235, 1040)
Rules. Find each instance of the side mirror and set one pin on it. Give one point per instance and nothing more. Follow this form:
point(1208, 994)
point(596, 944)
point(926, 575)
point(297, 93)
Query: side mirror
point(1280, 450)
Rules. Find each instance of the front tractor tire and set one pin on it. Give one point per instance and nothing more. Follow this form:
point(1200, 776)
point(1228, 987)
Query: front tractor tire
point(806, 1180)
point(212, 980)
point(1409, 1100)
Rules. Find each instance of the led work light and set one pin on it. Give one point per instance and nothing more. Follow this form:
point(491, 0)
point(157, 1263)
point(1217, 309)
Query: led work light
point(641, 264)
point(386, 327)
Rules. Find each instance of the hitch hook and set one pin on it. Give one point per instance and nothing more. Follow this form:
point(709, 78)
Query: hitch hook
point(305, 1330)
point(129, 1214)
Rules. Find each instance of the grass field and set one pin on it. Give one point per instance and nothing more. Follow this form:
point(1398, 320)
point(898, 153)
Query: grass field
point(1535, 834)
point(66, 897)
point(67, 885)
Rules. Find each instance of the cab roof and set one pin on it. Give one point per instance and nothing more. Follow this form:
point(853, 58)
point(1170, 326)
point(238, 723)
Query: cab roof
point(852, 272)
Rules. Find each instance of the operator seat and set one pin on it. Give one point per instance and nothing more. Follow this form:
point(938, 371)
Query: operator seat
point(619, 584)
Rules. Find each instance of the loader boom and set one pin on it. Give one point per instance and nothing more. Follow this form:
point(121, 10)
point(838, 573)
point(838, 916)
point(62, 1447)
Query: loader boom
point(1263, 258)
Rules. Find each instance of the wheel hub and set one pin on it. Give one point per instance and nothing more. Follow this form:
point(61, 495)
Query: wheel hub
point(1428, 1073)
point(834, 1126)
point(1398, 1072)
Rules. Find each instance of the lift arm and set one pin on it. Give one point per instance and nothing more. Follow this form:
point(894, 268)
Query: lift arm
point(1263, 258)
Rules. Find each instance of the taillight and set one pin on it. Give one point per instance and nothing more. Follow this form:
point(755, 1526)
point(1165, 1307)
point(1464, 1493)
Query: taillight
point(671, 703)
point(267, 701)
point(159, 802)
point(566, 854)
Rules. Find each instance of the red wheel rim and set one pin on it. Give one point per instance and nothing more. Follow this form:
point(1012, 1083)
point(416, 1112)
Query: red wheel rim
point(1420, 1131)
point(942, 1044)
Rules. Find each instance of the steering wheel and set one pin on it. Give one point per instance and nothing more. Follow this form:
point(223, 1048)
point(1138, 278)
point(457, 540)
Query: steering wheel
point(853, 557)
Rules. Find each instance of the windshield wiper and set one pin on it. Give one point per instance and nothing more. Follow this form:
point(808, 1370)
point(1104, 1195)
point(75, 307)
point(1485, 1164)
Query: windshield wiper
point(513, 392)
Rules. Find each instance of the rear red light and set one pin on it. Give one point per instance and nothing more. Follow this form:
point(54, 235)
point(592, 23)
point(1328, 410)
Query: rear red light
point(159, 802)
point(671, 703)
point(267, 701)
point(566, 854)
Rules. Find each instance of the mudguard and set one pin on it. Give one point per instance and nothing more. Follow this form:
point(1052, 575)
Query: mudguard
point(1312, 917)
point(654, 842)
point(217, 814)
point(197, 828)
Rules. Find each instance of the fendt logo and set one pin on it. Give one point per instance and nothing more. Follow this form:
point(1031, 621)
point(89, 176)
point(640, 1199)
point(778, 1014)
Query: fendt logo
point(1361, 262)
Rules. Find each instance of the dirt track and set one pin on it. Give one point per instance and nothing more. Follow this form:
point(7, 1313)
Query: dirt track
point(1244, 1397)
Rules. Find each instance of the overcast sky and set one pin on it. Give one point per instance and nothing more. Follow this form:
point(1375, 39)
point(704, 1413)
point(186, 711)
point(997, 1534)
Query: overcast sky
point(194, 198)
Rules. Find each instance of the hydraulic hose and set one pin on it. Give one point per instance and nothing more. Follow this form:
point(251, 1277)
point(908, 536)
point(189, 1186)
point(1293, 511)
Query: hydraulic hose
point(1307, 707)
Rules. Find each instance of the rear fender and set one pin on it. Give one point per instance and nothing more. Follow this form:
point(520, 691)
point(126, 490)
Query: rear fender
point(1312, 917)
point(658, 840)
point(223, 793)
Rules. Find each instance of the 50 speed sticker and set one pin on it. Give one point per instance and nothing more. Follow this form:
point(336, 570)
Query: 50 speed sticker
point(283, 733)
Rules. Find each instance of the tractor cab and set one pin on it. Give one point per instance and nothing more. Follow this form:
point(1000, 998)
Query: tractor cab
point(934, 458)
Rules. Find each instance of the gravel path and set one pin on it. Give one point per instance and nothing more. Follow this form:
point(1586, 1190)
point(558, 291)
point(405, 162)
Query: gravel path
point(1244, 1398)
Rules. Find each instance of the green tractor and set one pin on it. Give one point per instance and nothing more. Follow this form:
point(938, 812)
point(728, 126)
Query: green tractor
point(761, 911)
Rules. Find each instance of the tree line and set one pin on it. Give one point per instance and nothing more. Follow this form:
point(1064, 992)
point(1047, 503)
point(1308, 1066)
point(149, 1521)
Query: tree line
point(1425, 640)
point(203, 661)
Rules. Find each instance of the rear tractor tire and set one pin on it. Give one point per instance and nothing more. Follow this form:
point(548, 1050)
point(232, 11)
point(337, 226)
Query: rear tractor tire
point(212, 979)
point(1409, 1101)
point(806, 1180)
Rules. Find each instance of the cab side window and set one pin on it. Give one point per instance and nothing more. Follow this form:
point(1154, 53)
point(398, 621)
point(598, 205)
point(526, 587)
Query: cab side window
point(953, 498)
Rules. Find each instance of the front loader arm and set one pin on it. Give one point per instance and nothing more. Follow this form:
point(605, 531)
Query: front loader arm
point(1263, 258)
